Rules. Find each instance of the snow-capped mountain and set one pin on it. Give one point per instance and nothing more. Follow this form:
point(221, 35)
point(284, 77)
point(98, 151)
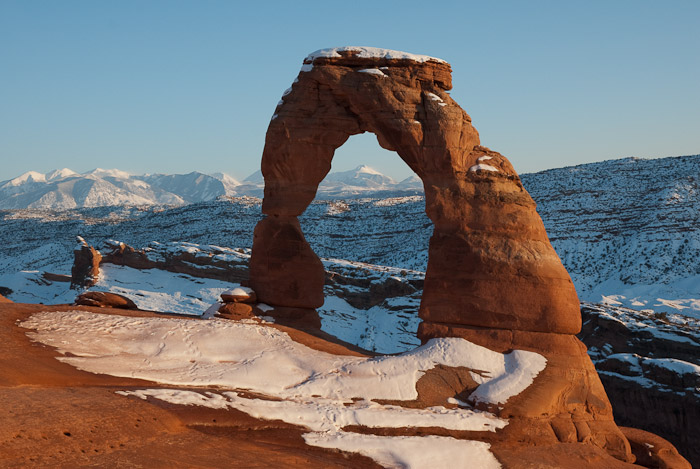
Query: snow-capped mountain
point(192, 187)
point(411, 183)
point(361, 177)
point(65, 189)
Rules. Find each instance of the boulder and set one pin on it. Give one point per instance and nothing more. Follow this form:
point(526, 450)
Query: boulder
point(104, 300)
point(236, 311)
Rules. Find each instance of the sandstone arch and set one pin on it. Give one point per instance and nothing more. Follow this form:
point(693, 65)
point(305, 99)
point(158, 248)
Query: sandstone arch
point(490, 261)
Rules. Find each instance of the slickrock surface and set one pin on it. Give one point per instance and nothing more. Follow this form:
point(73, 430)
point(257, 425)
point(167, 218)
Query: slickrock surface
point(54, 415)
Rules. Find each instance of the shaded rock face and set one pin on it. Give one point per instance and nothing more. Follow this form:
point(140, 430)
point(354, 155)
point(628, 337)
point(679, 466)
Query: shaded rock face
point(488, 238)
point(631, 351)
point(86, 265)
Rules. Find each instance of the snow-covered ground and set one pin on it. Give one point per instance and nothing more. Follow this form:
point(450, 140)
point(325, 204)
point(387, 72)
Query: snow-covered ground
point(153, 289)
point(386, 328)
point(323, 392)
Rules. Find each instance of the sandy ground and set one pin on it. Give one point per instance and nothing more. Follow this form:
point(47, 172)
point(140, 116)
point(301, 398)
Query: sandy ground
point(53, 415)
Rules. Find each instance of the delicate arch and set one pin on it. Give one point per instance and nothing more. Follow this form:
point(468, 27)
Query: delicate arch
point(490, 262)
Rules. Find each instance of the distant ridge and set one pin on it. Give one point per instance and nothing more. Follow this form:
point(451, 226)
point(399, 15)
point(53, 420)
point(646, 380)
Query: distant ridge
point(65, 189)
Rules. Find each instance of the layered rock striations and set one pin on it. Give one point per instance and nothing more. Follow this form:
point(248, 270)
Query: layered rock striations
point(492, 278)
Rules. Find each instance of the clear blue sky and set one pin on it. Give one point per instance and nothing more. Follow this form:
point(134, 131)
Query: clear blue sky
point(176, 86)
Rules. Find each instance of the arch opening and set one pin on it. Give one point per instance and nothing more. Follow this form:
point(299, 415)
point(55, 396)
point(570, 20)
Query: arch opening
point(373, 244)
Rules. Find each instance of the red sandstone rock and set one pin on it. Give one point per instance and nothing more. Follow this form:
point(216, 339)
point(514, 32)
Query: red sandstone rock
point(236, 311)
point(490, 261)
point(105, 300)
point(86, 266)
point(5, 300)
point(654, 451)
point(51, 277)
point(183, 262)
point(305, 319)
point(284, 271)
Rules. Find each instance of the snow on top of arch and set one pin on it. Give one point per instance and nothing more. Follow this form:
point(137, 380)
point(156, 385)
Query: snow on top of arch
point(483, 167)
point(370, 52)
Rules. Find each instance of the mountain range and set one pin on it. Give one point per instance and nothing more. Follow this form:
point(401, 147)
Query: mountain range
point(65, 189)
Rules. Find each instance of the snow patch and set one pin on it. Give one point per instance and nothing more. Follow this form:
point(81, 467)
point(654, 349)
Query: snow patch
point(326, 420)
point(483, 167)
point(262, 359)
point(373, 71)
point(370, 52)
point(438, 99)
point(239, 291)
point(413, 452)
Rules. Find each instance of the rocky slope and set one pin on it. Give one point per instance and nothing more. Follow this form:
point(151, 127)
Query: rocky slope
point(626, 229)
point(652, 362)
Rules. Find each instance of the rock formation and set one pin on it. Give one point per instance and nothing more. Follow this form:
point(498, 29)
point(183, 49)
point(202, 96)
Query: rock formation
point(105, 300)
point(488, 237)
point(216, 262)
point(493, 277)
point(86, 266)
